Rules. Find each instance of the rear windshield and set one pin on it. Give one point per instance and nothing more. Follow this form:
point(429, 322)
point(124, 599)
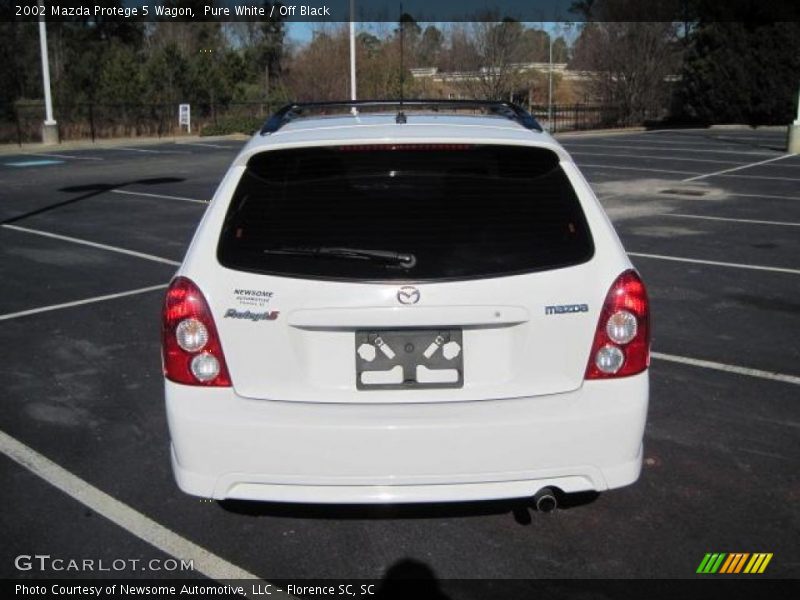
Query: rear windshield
point(404, 212)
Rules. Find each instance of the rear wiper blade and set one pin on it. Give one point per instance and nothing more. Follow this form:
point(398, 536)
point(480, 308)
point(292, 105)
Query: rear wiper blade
point(404, 260)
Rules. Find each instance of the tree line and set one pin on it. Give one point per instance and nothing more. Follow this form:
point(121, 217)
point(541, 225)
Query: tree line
point(704, 70)
point(121, 62)
point(727, 62)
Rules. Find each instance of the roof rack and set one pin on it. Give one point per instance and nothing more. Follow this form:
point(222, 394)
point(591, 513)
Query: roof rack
point(294, 111)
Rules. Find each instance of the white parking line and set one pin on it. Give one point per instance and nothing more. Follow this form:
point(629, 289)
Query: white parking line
point(204, 145)
point(692, 150)
point(709, 143)
point(708, 364)
point(785, 165)
point(739, 168)
point(147, 195)
point(696, 178)
point(651, 140)
point(35, 311)
point(130, 519)
point(770, 196)
point(775, 139)
point(587, 166)
point(149, 151)
point(715, 263)
point(66, 238)
point(758, 176)
point(672, 158)
point(753, 221)
point(66, 156)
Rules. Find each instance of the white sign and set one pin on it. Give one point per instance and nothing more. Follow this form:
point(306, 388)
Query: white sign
point(185, 116)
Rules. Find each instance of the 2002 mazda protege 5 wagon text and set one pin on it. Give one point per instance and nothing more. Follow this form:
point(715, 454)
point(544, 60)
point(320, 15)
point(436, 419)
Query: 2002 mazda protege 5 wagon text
point(405, 304)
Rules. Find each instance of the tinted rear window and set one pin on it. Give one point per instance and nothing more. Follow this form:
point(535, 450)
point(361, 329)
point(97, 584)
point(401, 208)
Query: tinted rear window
point(462, 211)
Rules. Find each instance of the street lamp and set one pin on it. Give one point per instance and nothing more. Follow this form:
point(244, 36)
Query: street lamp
point(49, 127)
point(352, 52)
point(793, 143)
point(550, 85)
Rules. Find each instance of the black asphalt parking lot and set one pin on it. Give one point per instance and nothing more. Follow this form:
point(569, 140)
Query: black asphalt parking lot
point(711, 219)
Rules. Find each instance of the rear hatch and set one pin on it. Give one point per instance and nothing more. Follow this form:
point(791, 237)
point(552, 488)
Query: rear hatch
point(404, 273)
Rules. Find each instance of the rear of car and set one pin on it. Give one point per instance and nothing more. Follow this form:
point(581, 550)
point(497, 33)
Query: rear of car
point(437, 310)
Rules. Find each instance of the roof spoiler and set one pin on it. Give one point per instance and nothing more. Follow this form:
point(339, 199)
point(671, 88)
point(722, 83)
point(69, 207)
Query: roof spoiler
point(298, 110)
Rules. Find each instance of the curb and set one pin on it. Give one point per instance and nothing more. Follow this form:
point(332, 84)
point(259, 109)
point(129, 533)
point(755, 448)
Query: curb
point(736, 126)
point(628, 130)
point(604, 132)
point(115, 142)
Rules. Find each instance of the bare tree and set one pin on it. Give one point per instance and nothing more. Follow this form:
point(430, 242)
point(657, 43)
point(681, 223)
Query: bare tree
point(459, 53)
point(632, 64)
point(633, 60)
point(497, 44)
point(319, 70)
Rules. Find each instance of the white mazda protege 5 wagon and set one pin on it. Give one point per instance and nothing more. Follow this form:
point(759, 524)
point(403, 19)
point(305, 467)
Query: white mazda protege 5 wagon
point(413, 302)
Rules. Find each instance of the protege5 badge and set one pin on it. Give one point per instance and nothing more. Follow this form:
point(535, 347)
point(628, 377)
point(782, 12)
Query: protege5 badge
point(232, 313)
point(560, 309)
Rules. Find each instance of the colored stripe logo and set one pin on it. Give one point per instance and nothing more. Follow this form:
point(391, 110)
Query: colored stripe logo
point(731, 563)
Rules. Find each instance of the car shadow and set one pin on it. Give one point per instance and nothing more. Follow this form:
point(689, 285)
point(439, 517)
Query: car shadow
point(409, 578)
point(519, 509)
point(86, 192)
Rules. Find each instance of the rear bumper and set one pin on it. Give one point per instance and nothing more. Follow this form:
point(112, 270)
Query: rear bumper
point(226, 446)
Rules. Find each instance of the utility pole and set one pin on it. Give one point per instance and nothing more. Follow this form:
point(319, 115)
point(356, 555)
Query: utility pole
point(49, 127)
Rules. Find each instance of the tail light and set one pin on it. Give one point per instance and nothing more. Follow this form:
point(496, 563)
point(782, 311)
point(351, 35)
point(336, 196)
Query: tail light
point(191, 350)
point(621, 344)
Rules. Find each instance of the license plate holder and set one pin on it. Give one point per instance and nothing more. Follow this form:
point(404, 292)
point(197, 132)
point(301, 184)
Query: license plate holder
point(401, 359)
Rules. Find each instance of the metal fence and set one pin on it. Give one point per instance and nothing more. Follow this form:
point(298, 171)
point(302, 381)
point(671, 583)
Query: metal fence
point(577, 117)
point(102, 121)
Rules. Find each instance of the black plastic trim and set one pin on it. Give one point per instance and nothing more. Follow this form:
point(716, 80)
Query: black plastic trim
point(293, 111)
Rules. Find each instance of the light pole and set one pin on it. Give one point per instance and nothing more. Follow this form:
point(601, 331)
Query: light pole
point(49, 127)
point(550, 85)
point(352, 52)
point(793, 144)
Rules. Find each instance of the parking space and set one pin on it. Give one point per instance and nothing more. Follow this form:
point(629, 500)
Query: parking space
point(67, 527)
point(140, 221)
point(91, 238)
point(40, 271)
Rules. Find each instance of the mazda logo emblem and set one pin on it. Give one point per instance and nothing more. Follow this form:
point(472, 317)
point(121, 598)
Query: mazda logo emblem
point(408, 294)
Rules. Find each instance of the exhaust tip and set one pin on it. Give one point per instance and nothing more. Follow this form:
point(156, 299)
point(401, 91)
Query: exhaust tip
point(545, 500)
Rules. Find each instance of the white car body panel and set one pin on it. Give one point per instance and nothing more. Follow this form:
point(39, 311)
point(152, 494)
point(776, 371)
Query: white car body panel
point(294, 427)
point(588, 439)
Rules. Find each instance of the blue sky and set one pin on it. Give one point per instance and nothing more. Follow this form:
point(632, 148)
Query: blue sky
point(302, 31)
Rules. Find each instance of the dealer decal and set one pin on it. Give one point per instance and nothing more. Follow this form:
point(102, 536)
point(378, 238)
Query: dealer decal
point(232, 313)
point(248, 297)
